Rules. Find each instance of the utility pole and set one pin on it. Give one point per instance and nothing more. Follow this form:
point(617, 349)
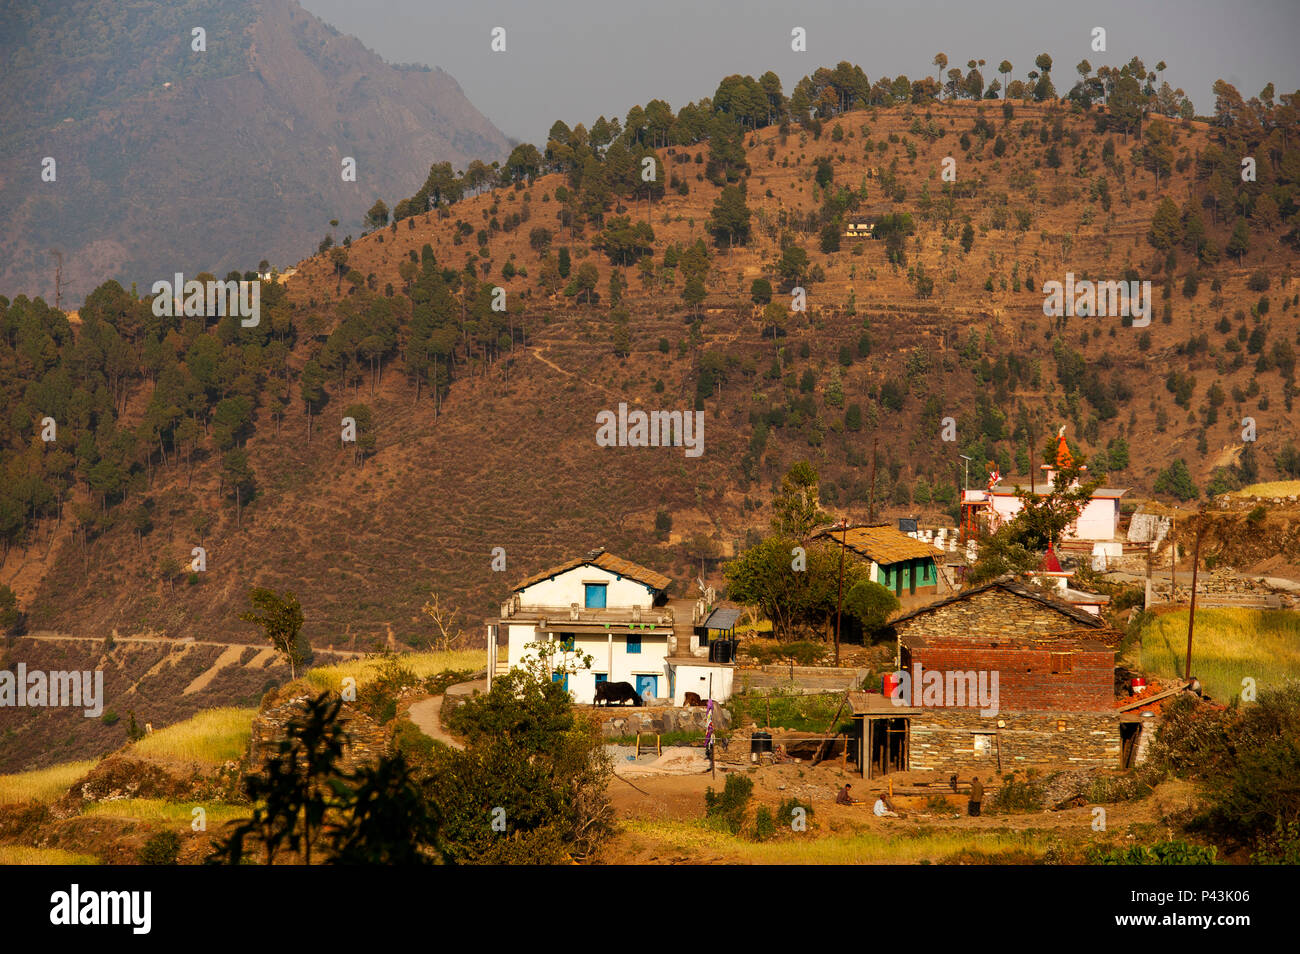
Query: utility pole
point(1191, 611)
point(1030, 429)
point(58, 278)
point(871, 502)
point(839, 595)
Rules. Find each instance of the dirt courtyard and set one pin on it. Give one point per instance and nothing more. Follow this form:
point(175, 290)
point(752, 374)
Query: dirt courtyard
point(680, 798)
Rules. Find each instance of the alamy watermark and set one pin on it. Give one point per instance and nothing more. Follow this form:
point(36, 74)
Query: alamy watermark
point(651, 429)
point(1102, 299)
point(59, 689)
point(194, 299)
point(954, 688)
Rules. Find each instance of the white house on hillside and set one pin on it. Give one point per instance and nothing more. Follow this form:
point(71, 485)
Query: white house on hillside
point(610, 608)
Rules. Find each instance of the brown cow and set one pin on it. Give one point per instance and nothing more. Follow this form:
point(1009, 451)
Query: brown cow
point(693, 699)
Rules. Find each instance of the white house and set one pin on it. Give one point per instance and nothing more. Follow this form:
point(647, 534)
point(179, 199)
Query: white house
point(612, 609)
point(1098, 520)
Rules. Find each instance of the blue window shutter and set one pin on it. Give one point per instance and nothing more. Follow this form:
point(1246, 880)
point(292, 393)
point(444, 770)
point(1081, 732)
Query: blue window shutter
point(634, 643)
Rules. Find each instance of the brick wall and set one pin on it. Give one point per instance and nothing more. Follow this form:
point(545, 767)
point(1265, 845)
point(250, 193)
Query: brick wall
point(945, 740)
point(1023, 641)
point(1025, 677)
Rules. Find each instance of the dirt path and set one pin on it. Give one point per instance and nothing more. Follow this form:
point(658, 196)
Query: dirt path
point(427, 716)
point(537, 353)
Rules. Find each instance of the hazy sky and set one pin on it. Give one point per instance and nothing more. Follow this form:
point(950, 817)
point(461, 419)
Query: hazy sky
point(576, 59)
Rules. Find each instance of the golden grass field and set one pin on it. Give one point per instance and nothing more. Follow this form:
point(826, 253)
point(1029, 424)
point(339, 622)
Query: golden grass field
point(163, 812)
point(42, 785)
point(1276, 488)
point(422, 664)
point(860, 848)
point(212, 736)
point(22, 855)
point(1228, 645)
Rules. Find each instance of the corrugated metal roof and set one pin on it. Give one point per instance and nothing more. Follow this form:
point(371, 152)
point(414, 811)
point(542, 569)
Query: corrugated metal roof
point(724, 617)
point(882, 543)
point(606, 561)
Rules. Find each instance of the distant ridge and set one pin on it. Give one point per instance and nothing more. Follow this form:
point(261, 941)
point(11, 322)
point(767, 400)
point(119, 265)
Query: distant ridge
point(238, 159)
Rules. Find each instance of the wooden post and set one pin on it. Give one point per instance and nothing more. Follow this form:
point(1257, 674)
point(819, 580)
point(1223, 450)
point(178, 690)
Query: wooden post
point(1191, 611)
point(839, 593)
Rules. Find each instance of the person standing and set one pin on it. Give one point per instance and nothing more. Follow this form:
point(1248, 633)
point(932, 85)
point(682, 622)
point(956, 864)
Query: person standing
point(976, 797)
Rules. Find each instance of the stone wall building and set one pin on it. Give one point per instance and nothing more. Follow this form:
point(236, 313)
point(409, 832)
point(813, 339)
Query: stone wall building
point(996, 677)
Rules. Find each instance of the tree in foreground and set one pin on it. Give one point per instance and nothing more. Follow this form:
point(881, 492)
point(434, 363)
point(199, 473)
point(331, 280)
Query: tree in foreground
point(530, 787)
point(305, 805)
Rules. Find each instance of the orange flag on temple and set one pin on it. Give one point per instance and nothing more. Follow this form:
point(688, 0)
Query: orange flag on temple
point(1063, 459)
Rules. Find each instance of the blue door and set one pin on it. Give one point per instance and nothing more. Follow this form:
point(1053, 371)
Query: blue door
point(595, 595)
point(561, 677)
point(647, 686)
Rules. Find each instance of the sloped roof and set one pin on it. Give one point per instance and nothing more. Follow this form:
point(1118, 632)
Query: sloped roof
point(606, 561)
point(724, 617)
point(1009, 584)
point(881, 543)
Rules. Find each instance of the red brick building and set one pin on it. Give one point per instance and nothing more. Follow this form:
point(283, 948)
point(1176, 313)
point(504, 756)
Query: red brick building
point(1051, 669)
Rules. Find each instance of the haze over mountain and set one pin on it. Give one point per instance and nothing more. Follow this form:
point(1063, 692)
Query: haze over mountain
point(170, 159)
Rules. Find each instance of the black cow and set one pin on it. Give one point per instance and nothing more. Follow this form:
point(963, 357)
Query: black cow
point(620, 692)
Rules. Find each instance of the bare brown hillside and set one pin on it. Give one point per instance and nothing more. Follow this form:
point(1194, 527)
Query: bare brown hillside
point(512, 459)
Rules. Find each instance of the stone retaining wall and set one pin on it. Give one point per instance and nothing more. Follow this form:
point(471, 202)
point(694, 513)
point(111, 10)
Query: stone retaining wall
point(626, 720)
point(367, 739)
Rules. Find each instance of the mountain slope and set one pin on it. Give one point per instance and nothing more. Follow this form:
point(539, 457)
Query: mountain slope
point(238, 159)
point(506, 454)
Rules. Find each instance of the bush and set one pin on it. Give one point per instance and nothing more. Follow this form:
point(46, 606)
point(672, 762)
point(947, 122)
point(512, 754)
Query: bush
point(1163, 853)
point(161, 849)
point(1018, 796)
point(785, 811)
point(1280, 847)
point(728, 807)
point(378, 698)
point(764, 825)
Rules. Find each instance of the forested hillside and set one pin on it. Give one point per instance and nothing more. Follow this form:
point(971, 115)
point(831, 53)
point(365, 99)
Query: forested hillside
point(473, 335)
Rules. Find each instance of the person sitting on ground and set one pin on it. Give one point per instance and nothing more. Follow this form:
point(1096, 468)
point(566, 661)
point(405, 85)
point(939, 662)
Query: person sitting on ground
point(845, 796)
point(884, 809)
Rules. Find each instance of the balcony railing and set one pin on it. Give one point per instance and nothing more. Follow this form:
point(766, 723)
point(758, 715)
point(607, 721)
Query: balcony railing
point(576, 613)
